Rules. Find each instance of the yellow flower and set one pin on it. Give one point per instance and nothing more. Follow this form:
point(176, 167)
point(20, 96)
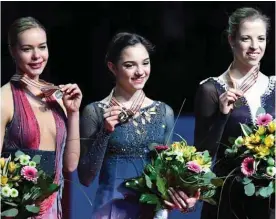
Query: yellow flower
point(261, 130)
point(2, 162)
point(176, 146)
point(255, 139)
point(269, 141)
point(200, 161)
point(4, 180)
point(247, 142)
point(262, 150)
point(272, 126)
point(11, 167)
point(188, 151)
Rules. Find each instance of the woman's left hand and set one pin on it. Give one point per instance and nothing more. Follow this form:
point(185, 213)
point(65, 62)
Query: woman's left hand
point(72, 97)
point(181, 201)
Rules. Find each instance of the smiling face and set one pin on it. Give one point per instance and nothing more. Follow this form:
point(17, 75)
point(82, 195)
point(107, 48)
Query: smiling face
point(31, 52)
point(250, 42)
point(133, 68)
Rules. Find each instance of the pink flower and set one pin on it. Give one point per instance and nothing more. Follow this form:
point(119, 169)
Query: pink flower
point(161, 148)
point(193, 166)
point(29, 173)
point(264, 119)
point(247, 166)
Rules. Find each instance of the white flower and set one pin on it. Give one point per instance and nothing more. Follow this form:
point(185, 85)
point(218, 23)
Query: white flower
point(32, 164)
point(24, 159)
point(14, 193)
point(6, 191)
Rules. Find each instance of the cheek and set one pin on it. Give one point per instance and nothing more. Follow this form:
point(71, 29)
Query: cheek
point(23, 58)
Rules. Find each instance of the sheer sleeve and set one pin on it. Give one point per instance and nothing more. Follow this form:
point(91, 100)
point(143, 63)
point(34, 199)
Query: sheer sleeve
point(169, 117)
point(94, 140)
point(209, 121)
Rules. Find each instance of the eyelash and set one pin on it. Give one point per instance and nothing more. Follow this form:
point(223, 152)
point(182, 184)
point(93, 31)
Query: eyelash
point(130, 65)
point(247, 38)
point(28, 49)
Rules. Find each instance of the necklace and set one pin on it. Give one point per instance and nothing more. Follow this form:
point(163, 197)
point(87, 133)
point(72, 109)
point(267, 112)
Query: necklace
point(248, 82)
point(126, 114)
point(46, 88)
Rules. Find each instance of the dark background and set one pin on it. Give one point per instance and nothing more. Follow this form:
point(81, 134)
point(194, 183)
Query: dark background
point(190, 41)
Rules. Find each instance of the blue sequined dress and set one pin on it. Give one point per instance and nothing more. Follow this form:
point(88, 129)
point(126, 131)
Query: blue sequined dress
point(119, 156)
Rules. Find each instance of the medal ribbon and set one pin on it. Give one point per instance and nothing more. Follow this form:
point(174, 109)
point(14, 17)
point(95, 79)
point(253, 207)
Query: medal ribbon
point(135, 107)
point(46, 88)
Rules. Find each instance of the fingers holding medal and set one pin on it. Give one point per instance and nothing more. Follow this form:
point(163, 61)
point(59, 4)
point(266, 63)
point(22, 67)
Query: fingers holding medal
point(230, 99)
point(111, 117)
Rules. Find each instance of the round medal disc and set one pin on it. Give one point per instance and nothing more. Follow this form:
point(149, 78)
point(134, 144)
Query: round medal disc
point(123, 116)
point(238, 103)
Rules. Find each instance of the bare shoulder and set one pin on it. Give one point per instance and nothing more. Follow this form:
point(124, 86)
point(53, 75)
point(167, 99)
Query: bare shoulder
point(6, 102)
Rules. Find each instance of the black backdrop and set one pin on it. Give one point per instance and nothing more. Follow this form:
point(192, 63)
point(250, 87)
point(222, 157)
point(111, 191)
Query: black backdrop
point(189, 39)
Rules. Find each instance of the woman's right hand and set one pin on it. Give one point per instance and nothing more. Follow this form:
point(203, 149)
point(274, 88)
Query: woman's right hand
point(111, 117)
point(227, 99)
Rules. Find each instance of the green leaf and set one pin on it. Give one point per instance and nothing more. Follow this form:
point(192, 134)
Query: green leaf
point(209, 200)
point(217, 182)
point(249, 189)
point(229, 152)
point(245, 129)
point(33, 209)
point(208, 194)
point(260, 110)
point(266, 191)
point(36, 159)
point(148, 181)
point(161, 185)
point(149, 198)
point(232, 140)
point(10, 213)
point(10, 203)
point(19, 153)
point(246, 180)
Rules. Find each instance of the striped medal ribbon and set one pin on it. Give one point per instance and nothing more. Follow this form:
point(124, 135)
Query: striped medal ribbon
point(126, 114)
point(46, 88)
point(248, 82)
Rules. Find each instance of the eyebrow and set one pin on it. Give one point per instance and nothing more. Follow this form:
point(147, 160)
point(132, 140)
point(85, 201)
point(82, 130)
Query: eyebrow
point(31, 45)
point(146, 59)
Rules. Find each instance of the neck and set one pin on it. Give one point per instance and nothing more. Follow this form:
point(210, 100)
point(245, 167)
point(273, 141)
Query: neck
point(239, 70)
point(31, 77)
point(122, 95)
point(32, 89)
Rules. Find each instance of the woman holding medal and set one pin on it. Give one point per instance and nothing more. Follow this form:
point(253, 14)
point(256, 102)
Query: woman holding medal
point(37, 117)
point(223, 102)
point(119, 130)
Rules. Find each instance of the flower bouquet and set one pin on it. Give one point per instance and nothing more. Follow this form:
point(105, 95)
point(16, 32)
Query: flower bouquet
point(23, 185)
point(178, 166)
point(255, 152)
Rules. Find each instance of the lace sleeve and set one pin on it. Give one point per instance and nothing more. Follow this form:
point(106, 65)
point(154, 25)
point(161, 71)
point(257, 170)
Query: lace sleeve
point(169, 117)
point(209, 121)
point(94, 140)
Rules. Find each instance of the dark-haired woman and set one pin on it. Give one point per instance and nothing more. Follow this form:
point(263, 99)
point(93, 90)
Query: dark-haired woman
point(223, 102)
point(120, 128)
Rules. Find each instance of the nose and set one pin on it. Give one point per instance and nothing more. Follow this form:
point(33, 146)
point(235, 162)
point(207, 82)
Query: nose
point(254, 44)
point(139, 71)
point(35, 54)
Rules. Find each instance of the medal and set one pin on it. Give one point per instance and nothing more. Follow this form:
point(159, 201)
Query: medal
point(126, 114)
point(238, 103)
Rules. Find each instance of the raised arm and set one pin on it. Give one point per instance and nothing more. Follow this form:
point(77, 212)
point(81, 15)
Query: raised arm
point(94, 140)
point(209, 121)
